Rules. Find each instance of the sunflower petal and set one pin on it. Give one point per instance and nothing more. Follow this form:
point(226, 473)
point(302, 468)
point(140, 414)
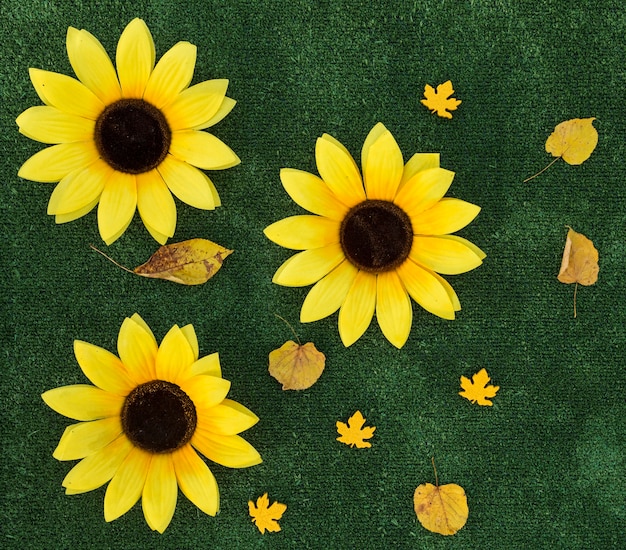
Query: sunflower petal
point(92, 65)
point(329, 293)
point(232, 451)
point(226, 107)
point(102, 368)
point(161, 238)
point(54, 163)
point(209, 364)
point(66, 94)
point(312, 194)
point(196, 481)
point(83, 439)
point(49, 125)
point(79, 189)
point(417, 163)
point(205, 391)
point(456, 304)
point(227, 418)
point(303, 232)
point(98, 468)
point(172, 74)
point(393, 308)
point(424, 190)
point(127, 484)
point(192, 338)
point(83, 402)
point(202, 150)
point(135, 58)
point(174, 357)
point(447, 216)
point(155, 203)
point(445, 254)
point(382, 164)
point(196, 105)
point(309, 266)
point(187, 183)
point(426, 289)
point(117, 205)
point(137, 349)
point(339, 171)
point(71, 216)
point(160, 492)
point(357, 310)
point(139, 320)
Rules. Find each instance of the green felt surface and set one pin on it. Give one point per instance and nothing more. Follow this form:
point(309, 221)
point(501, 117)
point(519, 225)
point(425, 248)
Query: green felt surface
point(543, 468)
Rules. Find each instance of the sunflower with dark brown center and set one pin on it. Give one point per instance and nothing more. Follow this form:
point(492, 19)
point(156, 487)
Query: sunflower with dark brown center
point(375, 242)
point(142, 422)
point(126, 140)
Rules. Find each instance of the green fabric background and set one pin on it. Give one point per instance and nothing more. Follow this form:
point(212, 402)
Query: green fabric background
point(543, 468)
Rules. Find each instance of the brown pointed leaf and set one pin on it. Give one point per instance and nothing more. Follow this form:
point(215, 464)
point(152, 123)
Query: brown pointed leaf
point(297, 367)
point(191, 262)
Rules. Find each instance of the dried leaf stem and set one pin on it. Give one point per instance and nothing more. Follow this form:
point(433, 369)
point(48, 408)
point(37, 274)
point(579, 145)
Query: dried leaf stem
point(112, 260)
point(541, 171)
point(289, 325)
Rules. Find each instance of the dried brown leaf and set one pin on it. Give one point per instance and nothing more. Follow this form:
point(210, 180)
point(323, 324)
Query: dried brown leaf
point(191, 262)
point(295, 366)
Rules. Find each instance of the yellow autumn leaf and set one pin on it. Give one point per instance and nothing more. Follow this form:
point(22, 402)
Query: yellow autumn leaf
point(440, 101)
point(441, 508)
point(573, 141)
point(353, 433)
point(265, 516)
point(191, 262)
point(477, 390)
point(295, 366)
point(580, 262)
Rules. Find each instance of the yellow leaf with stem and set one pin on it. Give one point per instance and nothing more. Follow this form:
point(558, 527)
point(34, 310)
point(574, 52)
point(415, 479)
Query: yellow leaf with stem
point(441, 508)
point(580, 262)
point(573, 141)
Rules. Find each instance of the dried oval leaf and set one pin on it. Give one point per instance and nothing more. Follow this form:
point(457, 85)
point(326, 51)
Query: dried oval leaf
point(573, 140)
point(191, 262)
point(441, 508)
point(580, 260)
point(297, 367)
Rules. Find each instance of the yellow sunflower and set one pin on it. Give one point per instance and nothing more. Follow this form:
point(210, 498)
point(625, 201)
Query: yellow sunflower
point(375, 242)
point(127, 139)
point(141, 421)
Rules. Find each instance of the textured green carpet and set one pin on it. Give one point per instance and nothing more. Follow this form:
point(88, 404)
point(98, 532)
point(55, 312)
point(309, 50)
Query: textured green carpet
point(542, 468)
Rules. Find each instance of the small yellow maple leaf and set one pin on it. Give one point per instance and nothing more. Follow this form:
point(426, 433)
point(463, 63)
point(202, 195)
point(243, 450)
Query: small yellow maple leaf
point(353, 433)
point(264, 516)
point(477, 390)
point(440, 101)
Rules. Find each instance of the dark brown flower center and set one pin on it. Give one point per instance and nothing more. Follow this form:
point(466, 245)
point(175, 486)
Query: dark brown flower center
point(159, 417)
point(132, 136)
point(376, 236)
